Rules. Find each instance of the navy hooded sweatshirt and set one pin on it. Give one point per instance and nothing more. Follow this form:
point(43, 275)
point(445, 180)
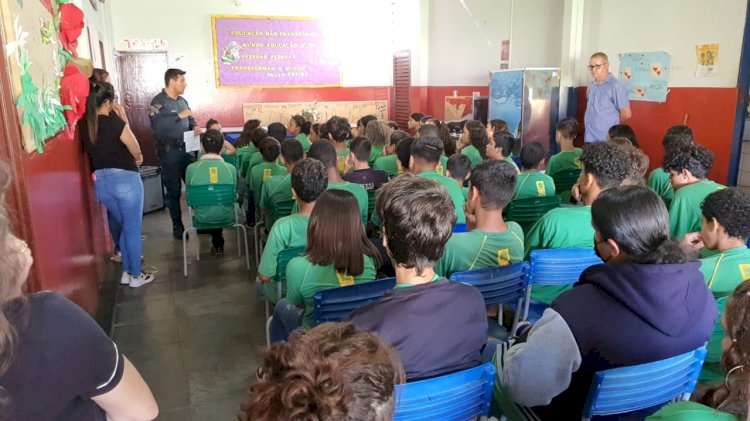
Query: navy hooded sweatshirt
point(618, 315)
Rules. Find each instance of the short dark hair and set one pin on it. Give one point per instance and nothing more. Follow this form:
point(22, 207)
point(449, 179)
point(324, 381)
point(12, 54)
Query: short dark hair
point(326, 234)
point(607, 162)
point(257, 135)
point(459, 166)
point(309, 179)
point(247, 130)
point(623, 130)
point(731, 207)
point(277, 131)
point(302, 123)
point(397, 136)
point(212, 141)
point(172, 74)
point(269, 149)
point(498, 125)
point(365, 120)
point(428, 149)
point(532, 154)
point(361, 147)
point(677, 137)
point(339, 128)
point(694, 158)
point(418, 218)
point(403, 151)
point(323, 131)
point(495, 181)
point(211, 122)
point(291, 151)
point(638, 221)
point(323, 152)
point(416, 116)
point(568, 128)
point(393, 125)
point(428, 130)
point(504, 140)
point(478, 137)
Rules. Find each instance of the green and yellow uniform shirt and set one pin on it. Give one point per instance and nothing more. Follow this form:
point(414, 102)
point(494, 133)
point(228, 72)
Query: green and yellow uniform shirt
point(562, 161)
point(473, 153)
point(454, 191)
point(685, 210)
point(304, 141)
point(559, 228)
point(358, 191)
point(276, 189)
point(389, 164)
point(689, 411)
point(442, 165)
point(260, 173)
point(341, 156)
point(478, 250)
point(243, 157)
point(658, 181)
point(305, 279)
point(253, 159)
point(533, 184)
point(288, 232)
point(375, 153)
point(510, 160)
point(208, 171)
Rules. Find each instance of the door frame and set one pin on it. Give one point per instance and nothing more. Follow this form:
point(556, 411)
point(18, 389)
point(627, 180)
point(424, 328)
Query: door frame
point(743, 100)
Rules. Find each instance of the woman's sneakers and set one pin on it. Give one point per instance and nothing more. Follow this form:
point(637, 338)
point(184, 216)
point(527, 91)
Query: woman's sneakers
point(136, 281)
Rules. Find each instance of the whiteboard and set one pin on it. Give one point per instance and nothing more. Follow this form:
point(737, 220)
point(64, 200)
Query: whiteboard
point(271, 112)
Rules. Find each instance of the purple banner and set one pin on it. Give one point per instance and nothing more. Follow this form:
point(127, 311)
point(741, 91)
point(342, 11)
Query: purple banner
point(272, 52)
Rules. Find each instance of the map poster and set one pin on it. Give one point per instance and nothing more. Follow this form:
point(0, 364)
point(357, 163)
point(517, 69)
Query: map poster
point(645, 75)
point(707, 56)
point(262, 51)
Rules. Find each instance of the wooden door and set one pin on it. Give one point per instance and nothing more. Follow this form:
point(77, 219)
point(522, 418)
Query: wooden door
point(401, 88)
point(141, 78)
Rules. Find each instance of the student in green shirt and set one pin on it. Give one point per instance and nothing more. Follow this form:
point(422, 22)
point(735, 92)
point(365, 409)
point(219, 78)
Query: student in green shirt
point(474, 141)
point(337, 254)
point(424, 157)
point(300, 129)
point(339, 132)
point(309, 180)
point(688, 169)
point(639, 162)
point(379, 134)
point(676, 137)
point(389, 161)
point(725, 227)
point(499, 148)
point(278, 188)
point(211, 169)
point(458, 168)
point(489, 241)
point(531, 182)
point(254, 158)
point(325, 153)
point(362, 123)
point(568, 158)
point(604, 165)
point(269, 150)
point(227, 148)
point(430, 128)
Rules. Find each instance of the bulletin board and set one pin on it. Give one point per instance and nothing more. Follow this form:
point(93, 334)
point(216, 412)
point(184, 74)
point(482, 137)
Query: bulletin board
point(458, 108)
point(36, 61)
point(282, 112)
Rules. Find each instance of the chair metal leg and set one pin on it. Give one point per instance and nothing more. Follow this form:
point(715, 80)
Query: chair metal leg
point(239, 246)
point(184, 252)
point(268, 330)
point(278, 290)
point(197, 246)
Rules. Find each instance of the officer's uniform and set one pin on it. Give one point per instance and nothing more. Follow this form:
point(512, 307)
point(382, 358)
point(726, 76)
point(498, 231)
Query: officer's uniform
point(168, 130)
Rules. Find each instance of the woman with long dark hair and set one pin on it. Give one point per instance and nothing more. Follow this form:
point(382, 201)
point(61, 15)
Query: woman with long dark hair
point(56, 363)
point(115, 156)
point(299, 127)
point(338, 253)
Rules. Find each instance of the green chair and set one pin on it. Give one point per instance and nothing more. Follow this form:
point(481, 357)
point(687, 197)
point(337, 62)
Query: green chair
point(279, 281)
point(278, 211)
point(528, 210)
point(230, 159)
point(371, 195)
point(564, 181)
point(213, 195)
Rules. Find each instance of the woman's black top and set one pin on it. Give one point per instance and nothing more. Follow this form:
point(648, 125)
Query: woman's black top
point(109, 151)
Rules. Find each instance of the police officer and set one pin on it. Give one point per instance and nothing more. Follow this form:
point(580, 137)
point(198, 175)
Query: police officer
point(170, 117)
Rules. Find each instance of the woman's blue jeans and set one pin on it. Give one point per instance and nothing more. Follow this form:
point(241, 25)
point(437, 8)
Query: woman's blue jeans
point(121, 192)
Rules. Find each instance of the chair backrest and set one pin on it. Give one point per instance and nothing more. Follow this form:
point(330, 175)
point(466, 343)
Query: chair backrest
point(459, 228)
point(564, 180)
point(281, 209)
point(230, 159)
point(530, 209)
point(371, 195)
point(282, 260)
point(211, 194)
point(335, 304)
point(498, 285)
point(560, 266)
point(464, 395)
point(625, 389)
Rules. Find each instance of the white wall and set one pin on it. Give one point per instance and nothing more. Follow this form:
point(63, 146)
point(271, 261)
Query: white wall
point(674, 26)
point(98, 28)
point(536, 37)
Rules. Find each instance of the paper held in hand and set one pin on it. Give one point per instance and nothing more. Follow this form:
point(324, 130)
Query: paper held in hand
point(192, 141)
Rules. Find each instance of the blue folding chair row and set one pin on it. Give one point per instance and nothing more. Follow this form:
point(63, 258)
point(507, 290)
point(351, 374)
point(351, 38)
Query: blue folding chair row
point(335, 304)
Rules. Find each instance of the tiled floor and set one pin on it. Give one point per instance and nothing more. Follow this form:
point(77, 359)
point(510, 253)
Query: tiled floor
point(195, 340)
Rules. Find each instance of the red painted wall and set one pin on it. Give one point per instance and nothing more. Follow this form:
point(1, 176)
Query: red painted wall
point(710, 114)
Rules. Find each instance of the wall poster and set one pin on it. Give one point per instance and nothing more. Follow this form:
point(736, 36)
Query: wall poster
point(645, 75)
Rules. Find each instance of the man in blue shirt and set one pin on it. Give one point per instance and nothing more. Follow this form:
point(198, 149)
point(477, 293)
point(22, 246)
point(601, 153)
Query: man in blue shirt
point(170, 117)
point(607, 100)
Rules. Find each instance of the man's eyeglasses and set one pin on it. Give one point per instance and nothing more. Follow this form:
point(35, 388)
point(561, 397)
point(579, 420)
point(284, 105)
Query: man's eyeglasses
point(596, 66)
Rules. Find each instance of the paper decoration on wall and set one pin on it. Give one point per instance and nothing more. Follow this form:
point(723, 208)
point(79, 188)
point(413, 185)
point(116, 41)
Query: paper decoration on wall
point(458, 108)
point(71, 25)
point(270, 112)
point(74, 88)
point(645, 75)
point(707, 56)
point(145, 44)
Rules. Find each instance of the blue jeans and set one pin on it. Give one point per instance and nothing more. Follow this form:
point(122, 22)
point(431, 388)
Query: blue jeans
point(286, 318)
point(121, 192)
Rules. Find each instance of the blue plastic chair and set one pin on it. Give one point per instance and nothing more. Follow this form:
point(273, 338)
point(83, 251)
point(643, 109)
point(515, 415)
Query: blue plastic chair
point(626, 389)
point(459, 228)
point(464, 395)
point(499, 285)
point(555, 267)
point(335, 304)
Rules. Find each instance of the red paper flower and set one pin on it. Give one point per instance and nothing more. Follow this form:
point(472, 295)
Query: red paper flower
point(74, 88)
point(71, 25)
